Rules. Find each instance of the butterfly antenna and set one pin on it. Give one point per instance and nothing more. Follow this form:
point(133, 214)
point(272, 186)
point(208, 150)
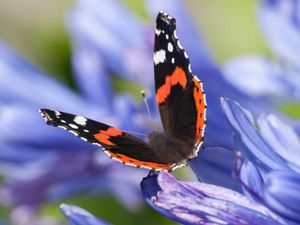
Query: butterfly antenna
point(147, 106)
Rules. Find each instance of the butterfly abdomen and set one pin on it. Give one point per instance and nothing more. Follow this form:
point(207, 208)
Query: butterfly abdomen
point(167, 149)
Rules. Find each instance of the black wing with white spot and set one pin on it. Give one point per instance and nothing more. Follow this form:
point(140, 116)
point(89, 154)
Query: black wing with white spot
point(179, 93)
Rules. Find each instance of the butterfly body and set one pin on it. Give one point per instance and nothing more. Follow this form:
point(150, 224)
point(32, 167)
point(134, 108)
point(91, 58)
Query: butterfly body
point(167, 149)
point(182, 106)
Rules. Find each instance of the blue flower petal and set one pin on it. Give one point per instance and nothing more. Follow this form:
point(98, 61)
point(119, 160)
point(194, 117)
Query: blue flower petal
point(92, 79)
point(280, 21)
point(200, 203)
point(256, 148)
point(78, 216)
point(214, 165)
point(21, 82)
point(67, 174)
point(257, 76)
point(282, 139)
point(282, 194)
point(252, 178)
point(119, 37)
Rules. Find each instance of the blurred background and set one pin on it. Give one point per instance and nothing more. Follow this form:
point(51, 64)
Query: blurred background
point(37, 29)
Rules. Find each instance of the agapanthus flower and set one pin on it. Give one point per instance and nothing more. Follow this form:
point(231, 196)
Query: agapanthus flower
point(271, 173)
point(201, 203)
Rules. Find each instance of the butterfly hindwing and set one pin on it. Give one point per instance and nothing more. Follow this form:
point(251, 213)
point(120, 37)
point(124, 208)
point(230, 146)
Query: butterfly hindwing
point(179, 93)
point(117, 144)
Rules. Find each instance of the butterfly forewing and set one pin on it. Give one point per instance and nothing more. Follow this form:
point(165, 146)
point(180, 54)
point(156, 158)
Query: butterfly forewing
point(179, 94)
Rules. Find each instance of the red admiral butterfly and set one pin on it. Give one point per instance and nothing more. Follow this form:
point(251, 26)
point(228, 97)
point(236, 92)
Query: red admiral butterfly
point(182, 107)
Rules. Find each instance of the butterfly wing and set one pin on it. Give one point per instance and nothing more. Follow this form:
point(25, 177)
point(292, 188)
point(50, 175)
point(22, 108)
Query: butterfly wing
point(179, 93)
point(118, 144)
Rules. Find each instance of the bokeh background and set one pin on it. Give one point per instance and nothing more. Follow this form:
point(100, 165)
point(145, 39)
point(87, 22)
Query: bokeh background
point(37, 30)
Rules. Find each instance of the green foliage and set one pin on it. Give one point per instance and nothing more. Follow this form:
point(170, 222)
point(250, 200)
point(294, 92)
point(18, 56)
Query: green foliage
point(291, 109)
point(230, 27)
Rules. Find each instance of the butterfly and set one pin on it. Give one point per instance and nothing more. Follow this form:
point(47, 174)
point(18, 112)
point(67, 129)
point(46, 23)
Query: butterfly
point(182, 106)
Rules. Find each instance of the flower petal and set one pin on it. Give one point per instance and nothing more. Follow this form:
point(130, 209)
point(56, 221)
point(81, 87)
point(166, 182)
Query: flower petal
point(282, 139)
point(200, 203)
point(251, 177)
point(279, 21)
point(92, 79)
point(115, 33)
point(78, 216)
point(282, 194)
point(21, 82)
point(255, 147)
point(257, 76)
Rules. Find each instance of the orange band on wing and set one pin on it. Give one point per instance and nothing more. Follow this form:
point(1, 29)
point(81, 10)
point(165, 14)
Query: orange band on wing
point(104, 135)
point(177, 77)
point(138, 163)
point(200, 108)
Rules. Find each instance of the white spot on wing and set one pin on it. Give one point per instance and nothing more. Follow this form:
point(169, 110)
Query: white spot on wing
point(86, 131)
point(167, 36)
point(57, 113)
point(83, 138)
point(73, 132)
point(170, 47)
point(95, 143)
point(73, 126)
point(62, 127)
point(179, 45)
point(175, 34)
point(80, 120)
point(185, 55)
point(190, 70)
point(157, 32)
point(173, 60)
point(159, 56)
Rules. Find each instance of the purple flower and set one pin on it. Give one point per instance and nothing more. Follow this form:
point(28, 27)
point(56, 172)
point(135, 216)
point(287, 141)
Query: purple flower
point(201, 203)
point(78, 216)
point(273, 178)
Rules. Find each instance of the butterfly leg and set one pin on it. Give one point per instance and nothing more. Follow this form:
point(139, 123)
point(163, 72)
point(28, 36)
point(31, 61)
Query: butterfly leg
point(151, 173)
